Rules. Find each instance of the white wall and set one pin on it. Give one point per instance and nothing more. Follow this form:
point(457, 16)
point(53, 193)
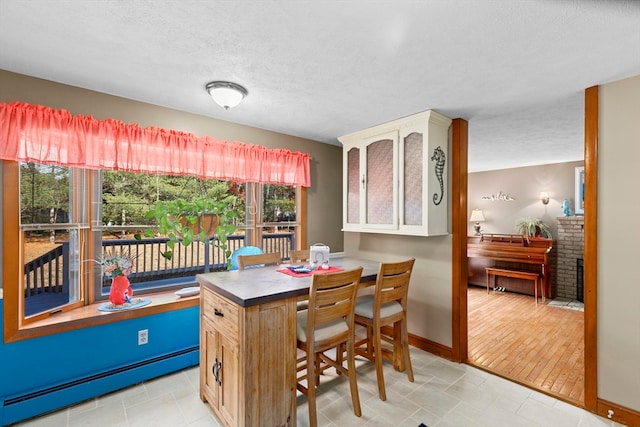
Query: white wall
point(618, 290)
point(524, 185)
point(430, 314)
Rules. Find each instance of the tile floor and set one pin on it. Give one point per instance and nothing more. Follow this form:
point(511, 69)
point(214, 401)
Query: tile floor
point(443, 394)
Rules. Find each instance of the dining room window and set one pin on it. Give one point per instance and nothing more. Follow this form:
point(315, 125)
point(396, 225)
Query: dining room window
point(70, 218)
point(53, 222)
point(122, 201)
point(73, 184)
point(280, 217)
point(272, 221)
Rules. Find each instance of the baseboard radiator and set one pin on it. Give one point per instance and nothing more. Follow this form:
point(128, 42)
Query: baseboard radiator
point(49, 399)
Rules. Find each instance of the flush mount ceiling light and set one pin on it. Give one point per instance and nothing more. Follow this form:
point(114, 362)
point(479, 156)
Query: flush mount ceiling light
point(226, 94)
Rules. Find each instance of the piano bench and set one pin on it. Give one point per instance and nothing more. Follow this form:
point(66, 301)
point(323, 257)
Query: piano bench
point(527, 275)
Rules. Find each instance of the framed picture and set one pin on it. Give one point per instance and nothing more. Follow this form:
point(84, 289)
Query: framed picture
point(579, 210)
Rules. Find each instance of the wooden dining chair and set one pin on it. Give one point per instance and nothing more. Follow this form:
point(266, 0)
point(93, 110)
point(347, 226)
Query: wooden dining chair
point(386, 306)
point(299, 255)
point(269, 258)
point(325, 325)
point(245, 250)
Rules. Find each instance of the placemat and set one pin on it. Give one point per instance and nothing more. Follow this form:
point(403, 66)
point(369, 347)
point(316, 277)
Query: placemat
point(331, 269)
point(135, 303)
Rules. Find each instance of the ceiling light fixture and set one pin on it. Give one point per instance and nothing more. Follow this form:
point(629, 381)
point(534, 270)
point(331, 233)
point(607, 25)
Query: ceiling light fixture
point(226, 94)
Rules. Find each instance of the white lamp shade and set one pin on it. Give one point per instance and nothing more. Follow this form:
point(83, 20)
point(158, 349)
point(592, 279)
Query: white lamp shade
point(226, 94)
point(476, 216)
point(544, 196)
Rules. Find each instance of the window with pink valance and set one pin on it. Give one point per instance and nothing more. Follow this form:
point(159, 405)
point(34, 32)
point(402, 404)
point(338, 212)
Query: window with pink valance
point(45, 135)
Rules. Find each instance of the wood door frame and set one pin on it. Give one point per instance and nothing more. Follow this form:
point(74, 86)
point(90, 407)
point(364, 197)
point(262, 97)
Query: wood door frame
point(459, 141)
point(459, 188)
point(591, 121)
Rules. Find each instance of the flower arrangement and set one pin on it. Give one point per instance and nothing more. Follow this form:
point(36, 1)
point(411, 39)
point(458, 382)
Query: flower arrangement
point(114, 265)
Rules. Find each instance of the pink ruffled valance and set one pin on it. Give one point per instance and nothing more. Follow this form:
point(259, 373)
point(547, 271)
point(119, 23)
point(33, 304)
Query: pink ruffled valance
point(44, 135)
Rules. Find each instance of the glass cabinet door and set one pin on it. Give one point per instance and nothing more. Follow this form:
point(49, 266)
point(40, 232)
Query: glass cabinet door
point(412, 184)
point(353, 186)
point(379, 185)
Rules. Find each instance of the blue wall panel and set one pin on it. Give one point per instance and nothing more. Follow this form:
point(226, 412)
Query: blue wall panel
point(43, 363)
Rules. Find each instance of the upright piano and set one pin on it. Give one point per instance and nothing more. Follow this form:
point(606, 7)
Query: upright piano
point(510, 251)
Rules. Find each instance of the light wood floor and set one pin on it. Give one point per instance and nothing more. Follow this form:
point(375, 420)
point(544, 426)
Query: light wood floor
point(538, 346)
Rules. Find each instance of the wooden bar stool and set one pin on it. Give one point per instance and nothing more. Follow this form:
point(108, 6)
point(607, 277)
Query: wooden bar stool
point(328, 324)
point(299, 255)
point(386, 307)
point(245, 261)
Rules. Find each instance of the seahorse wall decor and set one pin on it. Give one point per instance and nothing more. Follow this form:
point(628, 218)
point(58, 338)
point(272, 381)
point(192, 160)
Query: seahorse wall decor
point(438, 156)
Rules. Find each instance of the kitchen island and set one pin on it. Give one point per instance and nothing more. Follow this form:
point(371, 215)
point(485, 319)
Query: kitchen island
point(248, 342)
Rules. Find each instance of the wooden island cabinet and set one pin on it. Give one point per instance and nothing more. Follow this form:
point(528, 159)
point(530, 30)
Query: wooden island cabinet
point(245, 375)
point(219, 346)
point(248, 342)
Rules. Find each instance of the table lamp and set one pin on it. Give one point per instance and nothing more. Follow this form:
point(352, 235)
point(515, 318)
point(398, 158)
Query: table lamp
point(477, 217)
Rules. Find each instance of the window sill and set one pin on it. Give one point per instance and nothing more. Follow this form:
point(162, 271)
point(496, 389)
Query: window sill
point(88, 316)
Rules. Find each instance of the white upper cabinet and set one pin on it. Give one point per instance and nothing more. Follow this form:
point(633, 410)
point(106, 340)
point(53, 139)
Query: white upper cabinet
point(395, 177)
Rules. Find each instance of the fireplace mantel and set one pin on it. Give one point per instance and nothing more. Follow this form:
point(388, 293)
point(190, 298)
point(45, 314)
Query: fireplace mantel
point(570, 247)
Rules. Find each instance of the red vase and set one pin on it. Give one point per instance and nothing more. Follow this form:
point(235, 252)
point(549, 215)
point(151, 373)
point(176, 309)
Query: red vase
point(121, 291)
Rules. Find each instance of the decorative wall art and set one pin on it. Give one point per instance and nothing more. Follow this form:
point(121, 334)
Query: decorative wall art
point(503, 197)
point(439, 158)
point(579, 210)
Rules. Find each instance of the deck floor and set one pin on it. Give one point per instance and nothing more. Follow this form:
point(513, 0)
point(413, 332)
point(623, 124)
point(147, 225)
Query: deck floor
point(45, 302)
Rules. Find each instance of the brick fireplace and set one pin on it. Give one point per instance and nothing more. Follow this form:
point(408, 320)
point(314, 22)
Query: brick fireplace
point(570, 250)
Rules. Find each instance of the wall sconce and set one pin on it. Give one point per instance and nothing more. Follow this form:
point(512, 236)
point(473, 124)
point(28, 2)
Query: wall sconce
point(477, 217)
point(544, 197)
point(226, 94)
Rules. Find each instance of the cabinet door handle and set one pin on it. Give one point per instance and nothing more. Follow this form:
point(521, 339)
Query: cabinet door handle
point(214, 369)
point(363, 181)
point(218, 312)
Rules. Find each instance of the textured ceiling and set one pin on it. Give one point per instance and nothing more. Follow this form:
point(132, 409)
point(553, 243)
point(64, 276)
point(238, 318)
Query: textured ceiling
point(516, 70)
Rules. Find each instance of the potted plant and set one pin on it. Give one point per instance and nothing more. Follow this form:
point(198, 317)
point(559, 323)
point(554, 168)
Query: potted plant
point(533, 227)
point(185, 221)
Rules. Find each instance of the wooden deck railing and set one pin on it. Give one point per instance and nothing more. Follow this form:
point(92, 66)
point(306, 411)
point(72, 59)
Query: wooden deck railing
point(49, 272)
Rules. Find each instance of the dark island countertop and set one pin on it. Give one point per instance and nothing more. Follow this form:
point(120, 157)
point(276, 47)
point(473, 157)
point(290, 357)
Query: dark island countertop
point(255, 286)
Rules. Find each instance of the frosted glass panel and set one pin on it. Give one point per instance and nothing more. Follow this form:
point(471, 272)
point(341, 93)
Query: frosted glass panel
point(380, 182)
point(413, 169)
point(353, 186)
